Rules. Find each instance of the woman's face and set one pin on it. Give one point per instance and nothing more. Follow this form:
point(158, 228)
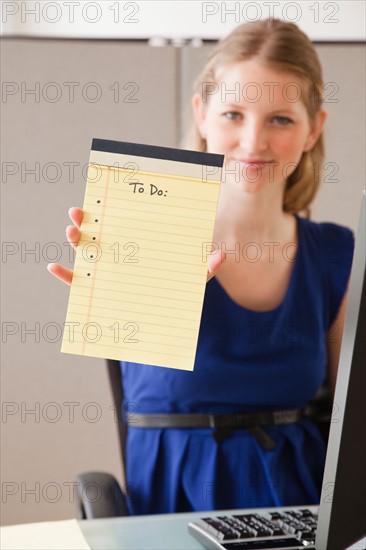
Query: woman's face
point(255, 116)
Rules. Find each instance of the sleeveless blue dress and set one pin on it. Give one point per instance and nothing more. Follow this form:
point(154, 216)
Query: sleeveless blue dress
point(246, 361)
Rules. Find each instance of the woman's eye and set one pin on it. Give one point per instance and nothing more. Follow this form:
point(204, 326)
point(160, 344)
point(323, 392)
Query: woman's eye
point(232, 115)
point(283, 120)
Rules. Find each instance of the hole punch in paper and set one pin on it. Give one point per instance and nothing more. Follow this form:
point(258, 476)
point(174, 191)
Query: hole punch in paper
point(141, 264)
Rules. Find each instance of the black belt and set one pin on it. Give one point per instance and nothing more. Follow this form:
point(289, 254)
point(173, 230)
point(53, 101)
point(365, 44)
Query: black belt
point(222, 424)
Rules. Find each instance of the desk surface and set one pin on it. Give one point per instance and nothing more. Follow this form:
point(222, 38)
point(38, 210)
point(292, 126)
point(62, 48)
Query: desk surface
point(158, 532)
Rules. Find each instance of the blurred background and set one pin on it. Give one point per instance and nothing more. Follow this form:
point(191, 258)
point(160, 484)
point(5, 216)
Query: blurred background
point(72, 71)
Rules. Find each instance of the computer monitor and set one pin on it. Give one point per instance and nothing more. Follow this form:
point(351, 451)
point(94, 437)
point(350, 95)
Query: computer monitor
point(342, 510)
point(342, 507)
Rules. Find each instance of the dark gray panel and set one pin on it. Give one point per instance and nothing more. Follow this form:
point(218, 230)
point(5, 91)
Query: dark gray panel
point(343, 499)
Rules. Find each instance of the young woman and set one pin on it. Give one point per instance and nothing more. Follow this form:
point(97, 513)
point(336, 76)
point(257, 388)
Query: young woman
point(274, 304)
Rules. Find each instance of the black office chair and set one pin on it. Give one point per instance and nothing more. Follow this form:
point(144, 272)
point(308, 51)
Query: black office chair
point(99, 495)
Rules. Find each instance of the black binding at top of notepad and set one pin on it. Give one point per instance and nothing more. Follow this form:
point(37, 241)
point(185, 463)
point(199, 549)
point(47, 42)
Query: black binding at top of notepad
point(153, 151)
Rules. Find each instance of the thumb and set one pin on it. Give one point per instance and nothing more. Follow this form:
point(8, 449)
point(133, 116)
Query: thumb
point(214, 261)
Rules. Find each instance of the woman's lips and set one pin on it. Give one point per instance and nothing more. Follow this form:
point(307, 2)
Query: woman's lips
point(253, 164)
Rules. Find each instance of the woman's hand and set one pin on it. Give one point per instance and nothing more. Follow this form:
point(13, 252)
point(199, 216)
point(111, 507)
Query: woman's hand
point(214, 260)
point(73, 236)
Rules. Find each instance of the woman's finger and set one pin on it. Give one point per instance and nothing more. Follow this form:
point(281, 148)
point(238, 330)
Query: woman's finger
point(214, 261)
point(61, 272)
point(76, 216)
point(73, 235)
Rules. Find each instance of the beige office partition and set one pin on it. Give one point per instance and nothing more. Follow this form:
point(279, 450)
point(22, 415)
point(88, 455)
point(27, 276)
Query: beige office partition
point(58, 418)
point(57, 410)
point(339, 197)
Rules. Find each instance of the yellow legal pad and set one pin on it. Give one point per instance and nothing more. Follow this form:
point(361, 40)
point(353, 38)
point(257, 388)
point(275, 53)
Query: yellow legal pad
point(141, 264)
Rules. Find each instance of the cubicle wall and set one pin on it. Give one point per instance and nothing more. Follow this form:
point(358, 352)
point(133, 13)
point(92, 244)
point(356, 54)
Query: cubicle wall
point(58, 417)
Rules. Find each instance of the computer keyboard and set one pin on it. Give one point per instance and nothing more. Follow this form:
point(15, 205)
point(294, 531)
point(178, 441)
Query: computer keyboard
point(260, 531)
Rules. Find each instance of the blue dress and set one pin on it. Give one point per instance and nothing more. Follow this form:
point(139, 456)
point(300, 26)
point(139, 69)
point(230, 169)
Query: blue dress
point(245, 361)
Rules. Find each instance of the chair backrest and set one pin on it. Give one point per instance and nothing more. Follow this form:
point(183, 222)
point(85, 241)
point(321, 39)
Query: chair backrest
point(112, 501)
point(115, 380)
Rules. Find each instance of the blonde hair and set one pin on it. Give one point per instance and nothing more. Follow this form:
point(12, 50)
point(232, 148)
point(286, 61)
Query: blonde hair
point(284, 47)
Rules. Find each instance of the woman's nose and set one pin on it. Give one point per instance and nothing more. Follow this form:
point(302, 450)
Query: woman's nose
point(254, 138)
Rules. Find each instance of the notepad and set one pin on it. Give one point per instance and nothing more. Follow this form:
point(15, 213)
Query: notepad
point(141, 265)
